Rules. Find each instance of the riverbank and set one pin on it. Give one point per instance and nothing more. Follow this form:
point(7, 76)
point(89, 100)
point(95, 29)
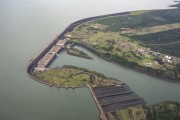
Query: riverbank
point(73, 77)
point(127, 45)
point(95, 51)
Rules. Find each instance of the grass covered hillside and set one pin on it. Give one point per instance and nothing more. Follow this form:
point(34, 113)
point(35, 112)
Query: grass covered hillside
point(146, 40)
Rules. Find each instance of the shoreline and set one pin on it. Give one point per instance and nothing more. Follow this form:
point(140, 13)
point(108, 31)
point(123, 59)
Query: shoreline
point(99, 89)
point(85, 71)
point(35, 60)
point(94, 51)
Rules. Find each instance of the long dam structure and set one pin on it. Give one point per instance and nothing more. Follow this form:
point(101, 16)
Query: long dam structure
point(34, 62)
point(108, 98)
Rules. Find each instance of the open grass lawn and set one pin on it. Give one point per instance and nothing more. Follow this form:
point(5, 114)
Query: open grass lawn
point(118, 46)
point(65, 76)
point(73, 76)
point(124, 114)
point(78, 80)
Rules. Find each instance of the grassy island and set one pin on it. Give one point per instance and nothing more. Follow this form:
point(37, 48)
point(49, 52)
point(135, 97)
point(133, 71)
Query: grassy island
point(71, 76)
point(143, 40)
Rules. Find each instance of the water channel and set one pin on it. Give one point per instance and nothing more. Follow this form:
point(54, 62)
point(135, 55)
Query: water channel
point(27, 26)
point(152, 89)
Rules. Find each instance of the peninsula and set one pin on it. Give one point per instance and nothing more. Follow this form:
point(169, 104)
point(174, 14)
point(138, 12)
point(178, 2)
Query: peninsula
point(147, 41)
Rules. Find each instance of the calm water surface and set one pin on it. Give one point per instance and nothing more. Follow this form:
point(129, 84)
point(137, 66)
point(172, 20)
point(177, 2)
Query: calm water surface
point(153, 90)
point(26, 26)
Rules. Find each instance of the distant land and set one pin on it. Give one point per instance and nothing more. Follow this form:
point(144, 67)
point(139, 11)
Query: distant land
point(177, 5)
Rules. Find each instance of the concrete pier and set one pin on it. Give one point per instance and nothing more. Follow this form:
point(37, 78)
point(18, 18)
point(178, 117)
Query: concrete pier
point(96, 100)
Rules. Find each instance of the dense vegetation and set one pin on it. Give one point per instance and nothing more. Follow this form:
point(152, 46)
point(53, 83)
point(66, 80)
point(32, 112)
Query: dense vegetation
point(161, 111)
point(167, 42)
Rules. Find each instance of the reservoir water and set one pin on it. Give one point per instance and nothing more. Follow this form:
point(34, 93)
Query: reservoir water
point(26, 26)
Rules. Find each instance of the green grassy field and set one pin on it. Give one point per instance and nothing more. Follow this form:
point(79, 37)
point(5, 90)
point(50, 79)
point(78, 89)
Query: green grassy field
point(65, 77)
point(135, 40)
point(71, 76)
point(124, 114)
point(163, 111)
